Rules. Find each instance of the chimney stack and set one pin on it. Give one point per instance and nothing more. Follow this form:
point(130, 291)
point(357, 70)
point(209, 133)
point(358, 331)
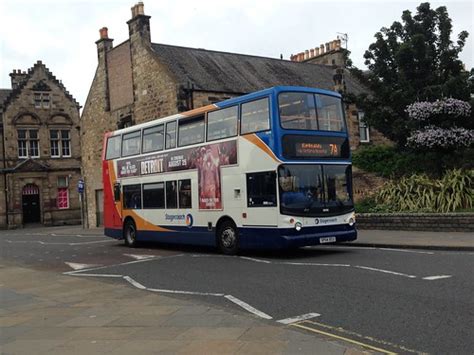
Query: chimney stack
point(104, 44)
point(17, 78)
point(104, 33)
point(332, 46)
point(139, 25)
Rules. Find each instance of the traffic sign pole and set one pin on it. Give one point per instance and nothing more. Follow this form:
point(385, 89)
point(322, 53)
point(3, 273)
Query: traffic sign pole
point(80, 189)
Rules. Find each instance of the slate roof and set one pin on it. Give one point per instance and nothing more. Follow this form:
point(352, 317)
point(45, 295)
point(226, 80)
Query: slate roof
point(239, 73)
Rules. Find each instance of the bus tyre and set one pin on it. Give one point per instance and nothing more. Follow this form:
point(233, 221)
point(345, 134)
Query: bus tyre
point(130, 234)
point(228, 238)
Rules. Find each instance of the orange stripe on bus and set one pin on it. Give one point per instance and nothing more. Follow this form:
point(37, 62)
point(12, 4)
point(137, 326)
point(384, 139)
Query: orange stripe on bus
point(252, 138)
point(199, 110)
point(143, 224)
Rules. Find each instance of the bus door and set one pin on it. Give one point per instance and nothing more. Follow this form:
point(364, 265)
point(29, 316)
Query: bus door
point(261, 207)
point(117, 211)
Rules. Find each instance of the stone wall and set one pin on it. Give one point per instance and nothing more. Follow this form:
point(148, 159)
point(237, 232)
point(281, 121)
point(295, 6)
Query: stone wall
point(437, 222)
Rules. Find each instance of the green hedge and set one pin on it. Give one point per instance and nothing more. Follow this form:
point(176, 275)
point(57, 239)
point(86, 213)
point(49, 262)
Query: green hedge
point(388, 161)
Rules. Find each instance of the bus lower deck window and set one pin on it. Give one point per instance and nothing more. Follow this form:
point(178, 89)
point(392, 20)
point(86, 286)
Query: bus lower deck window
point(132, 197)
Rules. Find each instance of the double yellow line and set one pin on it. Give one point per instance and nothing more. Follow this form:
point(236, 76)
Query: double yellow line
point(311, 326)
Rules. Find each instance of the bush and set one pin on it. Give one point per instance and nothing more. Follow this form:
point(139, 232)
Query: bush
point(419, 193)
point(369, 205)
point(387, 161)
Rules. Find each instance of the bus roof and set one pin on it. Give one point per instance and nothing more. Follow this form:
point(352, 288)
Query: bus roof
point(223, 104)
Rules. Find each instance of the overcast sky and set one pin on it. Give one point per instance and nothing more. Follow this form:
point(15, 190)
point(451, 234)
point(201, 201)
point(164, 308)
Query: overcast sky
point(63, 33)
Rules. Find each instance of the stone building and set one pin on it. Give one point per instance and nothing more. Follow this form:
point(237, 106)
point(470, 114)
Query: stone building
point(138, 81)
point(40, 150)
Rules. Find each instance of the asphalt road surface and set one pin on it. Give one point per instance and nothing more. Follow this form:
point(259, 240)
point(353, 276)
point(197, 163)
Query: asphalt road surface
point(405, 301)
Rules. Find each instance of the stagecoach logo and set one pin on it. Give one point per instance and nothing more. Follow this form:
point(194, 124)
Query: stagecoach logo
point(325, 220)
point(189, 220)
point(175, 217)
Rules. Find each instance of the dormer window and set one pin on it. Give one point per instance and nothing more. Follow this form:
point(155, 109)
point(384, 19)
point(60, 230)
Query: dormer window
point(42, 100)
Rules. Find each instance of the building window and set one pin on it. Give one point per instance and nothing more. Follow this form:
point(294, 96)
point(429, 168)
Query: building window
point(363, 128)
point(60, 143)
point(28, 143)
point(42, 100)
point(62, 200)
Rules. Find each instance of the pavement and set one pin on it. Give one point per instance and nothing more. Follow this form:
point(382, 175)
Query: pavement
point(45, 312)
point(415, 240)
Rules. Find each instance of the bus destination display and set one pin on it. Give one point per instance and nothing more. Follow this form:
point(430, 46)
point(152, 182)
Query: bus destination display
point(317, 149)
point(309, 147)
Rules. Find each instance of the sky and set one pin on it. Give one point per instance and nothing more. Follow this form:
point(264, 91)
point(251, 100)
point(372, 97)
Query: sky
point(62, 33)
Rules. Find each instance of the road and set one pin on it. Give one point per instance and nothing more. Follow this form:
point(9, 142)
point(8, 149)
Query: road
point(405, 301)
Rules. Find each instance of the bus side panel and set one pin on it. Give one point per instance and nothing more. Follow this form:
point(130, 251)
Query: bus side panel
point(180, 235)
point(112, 215)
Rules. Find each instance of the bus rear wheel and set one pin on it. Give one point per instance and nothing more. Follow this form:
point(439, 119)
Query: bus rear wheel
point(228, 238)
point(130, 234)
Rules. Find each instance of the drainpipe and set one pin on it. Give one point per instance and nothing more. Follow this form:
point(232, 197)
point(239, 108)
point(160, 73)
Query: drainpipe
point(4, 170)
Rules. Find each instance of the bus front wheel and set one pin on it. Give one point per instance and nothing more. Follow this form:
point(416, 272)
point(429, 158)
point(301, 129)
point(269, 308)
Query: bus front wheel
point(228, 238)
point(130, 234)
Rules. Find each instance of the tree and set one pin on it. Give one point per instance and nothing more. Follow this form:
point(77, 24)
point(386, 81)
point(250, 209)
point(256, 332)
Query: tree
point(413, 60)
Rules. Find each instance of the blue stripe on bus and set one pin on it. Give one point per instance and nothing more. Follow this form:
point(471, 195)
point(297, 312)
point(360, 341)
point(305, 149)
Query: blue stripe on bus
point(249, 237)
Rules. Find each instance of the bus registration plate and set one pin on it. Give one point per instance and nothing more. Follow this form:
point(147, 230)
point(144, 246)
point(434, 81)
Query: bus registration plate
point(327, 240)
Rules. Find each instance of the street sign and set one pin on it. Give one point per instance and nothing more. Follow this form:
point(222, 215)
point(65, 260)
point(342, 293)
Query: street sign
point(80, 186)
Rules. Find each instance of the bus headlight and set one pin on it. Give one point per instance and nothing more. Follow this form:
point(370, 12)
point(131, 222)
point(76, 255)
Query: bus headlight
point(352, 219)
point(298, 226)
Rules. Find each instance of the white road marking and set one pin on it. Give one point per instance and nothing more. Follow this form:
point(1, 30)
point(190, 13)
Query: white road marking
point(314, 264)
point(140, 257)
point(185, 292)
point(77, 266)
point(438, 277)
point(96, 275)
point(134, 283)
point(256, 260)
point(408, 251)
point(59, 243)
point(248, 307)
point(298, 318)
point(385, 271)
point(121, 264)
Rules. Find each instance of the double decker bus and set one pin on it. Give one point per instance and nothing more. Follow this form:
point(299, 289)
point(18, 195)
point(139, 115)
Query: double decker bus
point(268, 169)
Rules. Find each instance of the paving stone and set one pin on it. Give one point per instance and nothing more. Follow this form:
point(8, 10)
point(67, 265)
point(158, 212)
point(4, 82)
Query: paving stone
point(209, 333)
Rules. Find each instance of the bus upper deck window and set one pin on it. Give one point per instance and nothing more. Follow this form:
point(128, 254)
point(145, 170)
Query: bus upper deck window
point(330, 114)
point(255, 116)
point(113, 147)
point(171, 135)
